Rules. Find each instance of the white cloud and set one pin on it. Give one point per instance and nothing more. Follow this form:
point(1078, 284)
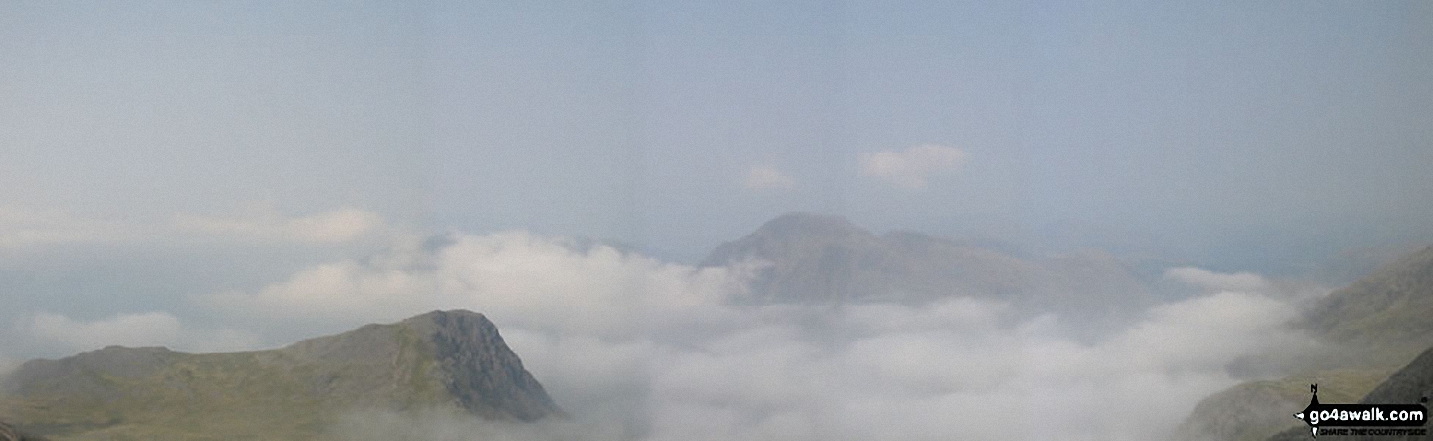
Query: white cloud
point(912, 167)
point(26, 226)
point(515, 275)
point(639, 349)
point(40, 227)
point(1215, 281)
point(267, 223)
point(765, 177)
point(133, 330)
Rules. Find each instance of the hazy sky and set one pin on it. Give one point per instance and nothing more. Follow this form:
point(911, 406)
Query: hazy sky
point(1227, 132)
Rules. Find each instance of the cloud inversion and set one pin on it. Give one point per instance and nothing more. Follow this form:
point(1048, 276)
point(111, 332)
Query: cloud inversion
point(638, 349)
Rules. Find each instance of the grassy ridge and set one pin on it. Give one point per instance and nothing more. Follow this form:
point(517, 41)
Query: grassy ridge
point(291, 393)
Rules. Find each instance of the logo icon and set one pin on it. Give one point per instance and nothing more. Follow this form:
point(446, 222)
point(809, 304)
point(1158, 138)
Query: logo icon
point(1318, 415)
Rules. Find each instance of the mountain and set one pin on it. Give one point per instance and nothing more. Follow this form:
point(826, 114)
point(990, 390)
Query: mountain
point(822, 259)
point(1407, 386)
point(1389, 314)
point(446, 360)
point(1367, 329)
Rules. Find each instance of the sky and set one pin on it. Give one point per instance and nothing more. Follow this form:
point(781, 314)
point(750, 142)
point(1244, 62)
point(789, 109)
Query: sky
point(1226, 133)
point(182, 173)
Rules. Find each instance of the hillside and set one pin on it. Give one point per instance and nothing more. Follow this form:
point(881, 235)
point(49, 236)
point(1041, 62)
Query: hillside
point(824, 259)
point(439, 360)
point(1368, 329)
point(1389, 313)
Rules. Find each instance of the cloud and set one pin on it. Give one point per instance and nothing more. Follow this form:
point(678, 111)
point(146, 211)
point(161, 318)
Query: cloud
point(899, 372)
point(911, 168)
point(521, 277)
point(133, 330)
point(267, 223)
point(41, 227)
point(764, 177)
point(638, 349)
point(26, 226)
point(1210, 280)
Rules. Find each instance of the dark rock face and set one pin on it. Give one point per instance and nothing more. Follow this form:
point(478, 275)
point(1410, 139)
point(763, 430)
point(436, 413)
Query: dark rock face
point(1408, 385)
point(479, 369)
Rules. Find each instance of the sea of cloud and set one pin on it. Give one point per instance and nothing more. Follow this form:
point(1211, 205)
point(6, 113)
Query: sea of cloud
point(639, 349)
point(635, 348)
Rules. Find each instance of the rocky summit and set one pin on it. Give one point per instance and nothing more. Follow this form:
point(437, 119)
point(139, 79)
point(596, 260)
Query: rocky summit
point(443, 360)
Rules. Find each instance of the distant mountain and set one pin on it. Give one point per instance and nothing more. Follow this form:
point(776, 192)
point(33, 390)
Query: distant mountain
point(452, 360)
point(1368, 328)
point(1407, 386)
point(825, 259)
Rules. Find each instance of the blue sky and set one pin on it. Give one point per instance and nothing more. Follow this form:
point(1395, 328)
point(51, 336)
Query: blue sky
point(1234, 135)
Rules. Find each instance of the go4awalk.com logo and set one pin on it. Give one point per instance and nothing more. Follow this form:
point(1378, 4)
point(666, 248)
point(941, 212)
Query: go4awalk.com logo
point(1364, 419)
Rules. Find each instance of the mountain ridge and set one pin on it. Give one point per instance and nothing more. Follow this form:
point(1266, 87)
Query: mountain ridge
point(438, 360)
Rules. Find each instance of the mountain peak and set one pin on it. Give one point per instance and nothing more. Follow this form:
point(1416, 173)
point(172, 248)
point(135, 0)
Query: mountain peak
point(790, 230)
point(441, 316)
point(439, 360)
point(809, 223)
point(479, 369)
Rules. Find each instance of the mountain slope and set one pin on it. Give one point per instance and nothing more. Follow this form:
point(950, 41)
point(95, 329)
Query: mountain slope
point(824, 259)
point(1390, 311)
point(1369, 328)
point(440, 360)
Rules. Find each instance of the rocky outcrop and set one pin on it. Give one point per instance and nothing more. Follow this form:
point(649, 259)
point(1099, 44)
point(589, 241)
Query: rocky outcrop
point(478, 370)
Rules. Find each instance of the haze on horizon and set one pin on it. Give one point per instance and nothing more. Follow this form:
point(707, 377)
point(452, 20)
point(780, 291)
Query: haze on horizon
point(239, 175)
